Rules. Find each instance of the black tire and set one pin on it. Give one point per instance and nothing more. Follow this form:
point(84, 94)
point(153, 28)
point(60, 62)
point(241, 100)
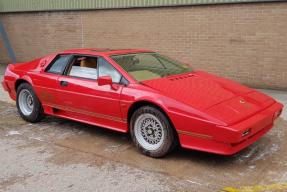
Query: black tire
point(37, 113)
point(169, 139)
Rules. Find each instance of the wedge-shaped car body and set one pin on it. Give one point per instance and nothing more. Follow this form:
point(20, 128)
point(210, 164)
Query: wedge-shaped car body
point(160, 101)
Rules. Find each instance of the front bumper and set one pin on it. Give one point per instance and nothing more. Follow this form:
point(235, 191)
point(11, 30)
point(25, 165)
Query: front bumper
point(232, 139)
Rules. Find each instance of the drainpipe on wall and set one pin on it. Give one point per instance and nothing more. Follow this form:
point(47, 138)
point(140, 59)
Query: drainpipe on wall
point(7, 44)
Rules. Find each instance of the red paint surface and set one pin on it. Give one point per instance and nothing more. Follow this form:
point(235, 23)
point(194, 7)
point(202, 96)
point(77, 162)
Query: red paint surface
point(210, 113)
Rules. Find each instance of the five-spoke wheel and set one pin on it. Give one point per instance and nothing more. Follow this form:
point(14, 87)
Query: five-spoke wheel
point(28, 104)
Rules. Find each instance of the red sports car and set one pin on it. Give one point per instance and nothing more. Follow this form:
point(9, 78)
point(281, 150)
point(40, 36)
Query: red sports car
point(160, 101)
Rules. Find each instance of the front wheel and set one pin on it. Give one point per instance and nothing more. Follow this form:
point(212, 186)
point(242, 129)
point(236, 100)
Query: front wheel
point(151, 132)
point(28, 104)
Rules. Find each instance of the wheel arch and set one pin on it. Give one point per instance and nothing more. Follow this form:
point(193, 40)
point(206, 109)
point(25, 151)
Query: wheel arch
point(18, 82)
point(136, 105)
point(23, 79)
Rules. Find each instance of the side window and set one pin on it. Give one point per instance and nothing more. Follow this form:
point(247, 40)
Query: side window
point(58, 66)
point(84, 67)
point(106, 69)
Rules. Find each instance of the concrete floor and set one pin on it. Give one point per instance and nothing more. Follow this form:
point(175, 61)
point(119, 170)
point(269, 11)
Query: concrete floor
point(63, 155)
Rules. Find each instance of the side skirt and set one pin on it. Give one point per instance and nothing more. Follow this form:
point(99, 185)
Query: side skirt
point(113, 124)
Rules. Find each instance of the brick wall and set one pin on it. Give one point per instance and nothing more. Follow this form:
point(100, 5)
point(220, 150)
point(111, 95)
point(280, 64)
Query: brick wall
point(3, 53)
point(244, 42)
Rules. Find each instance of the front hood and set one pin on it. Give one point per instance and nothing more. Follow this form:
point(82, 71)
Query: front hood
point(240, 107)
point(221, 98)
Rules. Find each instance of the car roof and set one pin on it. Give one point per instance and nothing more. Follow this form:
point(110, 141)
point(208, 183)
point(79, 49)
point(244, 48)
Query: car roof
point(105, 51)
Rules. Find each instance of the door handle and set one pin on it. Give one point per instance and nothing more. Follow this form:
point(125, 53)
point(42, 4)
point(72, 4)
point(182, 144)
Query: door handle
point(64, 83)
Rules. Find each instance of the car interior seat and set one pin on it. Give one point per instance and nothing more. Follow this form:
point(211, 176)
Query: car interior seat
point(89, 62)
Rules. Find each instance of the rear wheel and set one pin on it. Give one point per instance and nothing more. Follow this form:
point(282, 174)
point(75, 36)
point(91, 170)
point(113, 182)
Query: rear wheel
point(28, 104)
point(151, 132)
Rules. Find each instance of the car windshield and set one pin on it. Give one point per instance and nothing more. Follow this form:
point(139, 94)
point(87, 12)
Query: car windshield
point(145, 66)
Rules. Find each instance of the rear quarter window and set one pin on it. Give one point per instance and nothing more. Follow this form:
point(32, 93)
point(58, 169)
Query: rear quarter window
point(59, 64)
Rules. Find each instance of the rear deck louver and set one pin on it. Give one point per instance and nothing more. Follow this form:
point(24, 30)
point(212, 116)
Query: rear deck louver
point(180, 77)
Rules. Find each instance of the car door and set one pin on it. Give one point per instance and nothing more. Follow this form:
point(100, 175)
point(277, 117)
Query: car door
point(46, 81)
point(82, 97)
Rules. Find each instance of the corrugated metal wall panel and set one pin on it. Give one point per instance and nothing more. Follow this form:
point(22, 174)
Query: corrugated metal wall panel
point(50, 5)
